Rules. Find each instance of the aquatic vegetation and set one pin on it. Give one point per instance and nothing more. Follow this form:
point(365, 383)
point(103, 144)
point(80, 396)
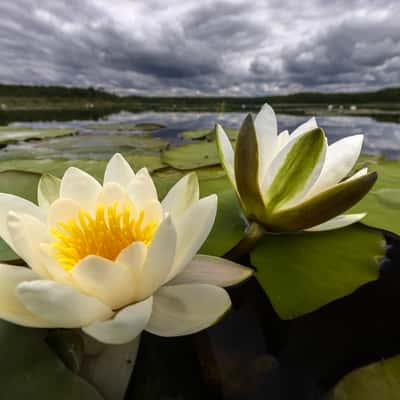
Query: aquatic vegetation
point(294, 182)
point(14, 134)
point(112, 259)
point(300, 269)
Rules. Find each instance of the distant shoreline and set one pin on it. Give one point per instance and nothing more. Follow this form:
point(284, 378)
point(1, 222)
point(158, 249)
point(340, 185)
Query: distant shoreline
point(16, 101)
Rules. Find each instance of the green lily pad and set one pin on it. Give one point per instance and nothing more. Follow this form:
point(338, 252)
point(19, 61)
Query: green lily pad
point(195, 134)
point(126, 126)
point(12, 134)
point(382, 203)
point(20, 183)
point(211, 179)
point(232, 134)
point(208, 134)
point(380, 380)
point(29, 370)
point(302, 272)
point(96, 168)
point(86, 146)
point(229, 225)
point(192, 155)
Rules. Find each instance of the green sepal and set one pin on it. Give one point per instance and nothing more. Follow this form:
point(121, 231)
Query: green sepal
point(322, 207)
point(247, 170)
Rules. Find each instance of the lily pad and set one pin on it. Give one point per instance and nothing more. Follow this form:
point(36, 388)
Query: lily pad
point(302, 272)
point(57, 166)
point(232, 134)
point(86, 146)
point(208, 134)
point(192, 155)
point(380, 380)
point(229, 224)
point(126, 126)
point(29, 370)
point(12, 134)
point(195, 134)
point(211, 179)
point(382, 203)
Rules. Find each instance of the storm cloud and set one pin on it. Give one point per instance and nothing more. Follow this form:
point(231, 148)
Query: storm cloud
point(195, 48)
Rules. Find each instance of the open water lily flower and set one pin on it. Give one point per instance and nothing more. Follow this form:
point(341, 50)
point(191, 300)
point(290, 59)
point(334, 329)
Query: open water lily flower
point(294, 182)
point(111, 259)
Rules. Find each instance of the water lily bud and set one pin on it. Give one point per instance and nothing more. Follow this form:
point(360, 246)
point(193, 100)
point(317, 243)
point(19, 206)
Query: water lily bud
point(293, 182)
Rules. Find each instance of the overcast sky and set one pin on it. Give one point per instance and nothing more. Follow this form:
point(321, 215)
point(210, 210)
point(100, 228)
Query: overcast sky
point(236, 47)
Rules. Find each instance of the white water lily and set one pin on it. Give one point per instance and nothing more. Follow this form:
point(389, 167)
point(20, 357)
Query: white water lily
point(294, 182)
point(111, 259)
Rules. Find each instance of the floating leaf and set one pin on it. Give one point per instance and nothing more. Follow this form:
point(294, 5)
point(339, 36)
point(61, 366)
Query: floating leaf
point(191, 155)
point(96, 168)
point(380, 380)
point(126, 126)
point(29, 370)
point(302, 272)
point(382, 204)
point(13, 134)
point(97, 146)
point(195, 134)
point(68, 345)
point(229, 224)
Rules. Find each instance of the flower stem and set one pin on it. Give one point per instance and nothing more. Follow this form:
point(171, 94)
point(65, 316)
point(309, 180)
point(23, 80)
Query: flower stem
point(253, 233)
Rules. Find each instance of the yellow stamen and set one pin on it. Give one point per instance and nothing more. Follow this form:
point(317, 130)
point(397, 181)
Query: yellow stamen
point(106, 234)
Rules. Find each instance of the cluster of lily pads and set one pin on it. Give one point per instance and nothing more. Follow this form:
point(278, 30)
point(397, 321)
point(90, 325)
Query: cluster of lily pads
point(299, 212)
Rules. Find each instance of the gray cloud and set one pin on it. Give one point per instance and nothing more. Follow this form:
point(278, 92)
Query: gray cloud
point(210, 47)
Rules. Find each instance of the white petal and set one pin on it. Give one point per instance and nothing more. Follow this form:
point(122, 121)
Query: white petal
point(79, 186)
point(193, 229)
point(159, 260)
point(54, 269)
point(111, 193)
point(112, 283)
point(214, 271)
point(303, 128)
point(267, 137)
point(142, 190)
point(226, 154)
point(181, 196)
point(9, 202)
point(185, 309)
point(283, 139)
point(125, 326)
point(118, 171)
point(11, 309)
point(27, 233)
point(61, 305)
point(341, 157)
point(62, 210)
point(358, 174)
point(338, 222)
point(133, 257)
point(280, 160)
point(48, 190)
point(153, 212)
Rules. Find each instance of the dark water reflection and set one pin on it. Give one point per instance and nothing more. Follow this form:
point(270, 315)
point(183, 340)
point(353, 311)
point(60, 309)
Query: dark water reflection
point(380, 137)
point(253, 355)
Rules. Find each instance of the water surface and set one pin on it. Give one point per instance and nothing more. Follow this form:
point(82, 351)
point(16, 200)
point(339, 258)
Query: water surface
point(380, 137)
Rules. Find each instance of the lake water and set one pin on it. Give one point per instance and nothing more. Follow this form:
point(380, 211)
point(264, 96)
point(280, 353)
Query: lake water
point(380, 137)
